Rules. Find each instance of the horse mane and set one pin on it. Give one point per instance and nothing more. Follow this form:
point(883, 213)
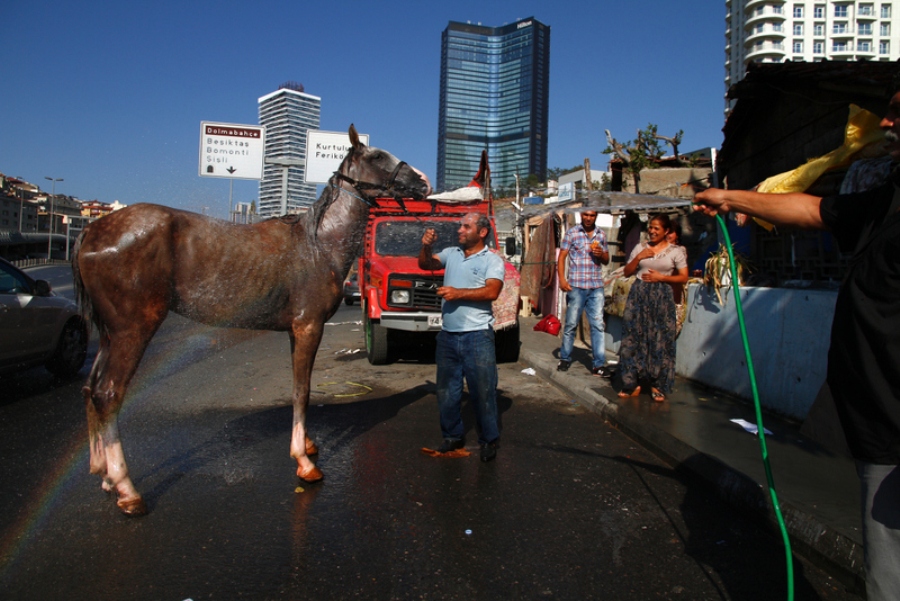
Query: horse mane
point(320, 207)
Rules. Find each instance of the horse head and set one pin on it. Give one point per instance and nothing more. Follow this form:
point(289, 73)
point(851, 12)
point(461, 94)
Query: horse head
point(377, 173)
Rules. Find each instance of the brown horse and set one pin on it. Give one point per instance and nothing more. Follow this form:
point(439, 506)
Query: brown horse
point(134, 266)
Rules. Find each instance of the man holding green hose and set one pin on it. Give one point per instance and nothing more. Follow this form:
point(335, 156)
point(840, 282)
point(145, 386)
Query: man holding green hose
point(864, 358)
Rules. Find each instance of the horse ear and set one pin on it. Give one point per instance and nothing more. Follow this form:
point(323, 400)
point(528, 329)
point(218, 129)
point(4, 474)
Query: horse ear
point(354, 137)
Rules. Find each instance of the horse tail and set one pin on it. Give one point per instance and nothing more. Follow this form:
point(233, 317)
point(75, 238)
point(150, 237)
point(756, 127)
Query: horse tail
point(85, 307)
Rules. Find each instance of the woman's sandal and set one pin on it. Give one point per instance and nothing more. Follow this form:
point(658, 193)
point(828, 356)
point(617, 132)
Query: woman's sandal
point(657, 396)
point(630, 393)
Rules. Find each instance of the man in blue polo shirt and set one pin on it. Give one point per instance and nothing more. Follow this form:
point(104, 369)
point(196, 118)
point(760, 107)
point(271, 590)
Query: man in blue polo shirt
point(473, 278)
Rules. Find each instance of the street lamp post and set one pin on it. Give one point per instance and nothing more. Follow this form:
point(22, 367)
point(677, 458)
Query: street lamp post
point(50, 214)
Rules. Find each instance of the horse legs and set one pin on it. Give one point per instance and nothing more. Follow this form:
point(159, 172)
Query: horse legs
point(305, 338)
point(116, 362)
point(95, 443)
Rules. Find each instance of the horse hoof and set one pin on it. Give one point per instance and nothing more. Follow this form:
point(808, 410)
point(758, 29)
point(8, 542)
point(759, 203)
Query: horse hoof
point(132, 507)
point(311, 448)
point(313, 474)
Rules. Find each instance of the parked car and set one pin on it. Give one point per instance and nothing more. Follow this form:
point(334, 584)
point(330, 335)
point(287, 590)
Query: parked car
point(351, 289)
point(38, 327)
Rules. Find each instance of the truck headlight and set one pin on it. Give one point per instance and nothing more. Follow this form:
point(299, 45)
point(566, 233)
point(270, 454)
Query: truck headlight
point(400, 297)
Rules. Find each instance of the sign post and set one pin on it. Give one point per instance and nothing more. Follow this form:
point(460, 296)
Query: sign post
point(232, 151)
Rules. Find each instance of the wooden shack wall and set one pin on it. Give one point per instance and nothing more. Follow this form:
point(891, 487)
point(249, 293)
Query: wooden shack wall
point(783, 129)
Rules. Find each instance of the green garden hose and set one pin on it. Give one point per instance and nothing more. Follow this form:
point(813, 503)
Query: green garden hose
point(759, 420)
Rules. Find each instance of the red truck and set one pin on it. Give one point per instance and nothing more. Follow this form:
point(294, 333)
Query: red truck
point(398, 299)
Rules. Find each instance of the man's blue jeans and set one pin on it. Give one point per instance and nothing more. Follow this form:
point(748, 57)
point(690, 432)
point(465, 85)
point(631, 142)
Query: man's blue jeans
point(468, 355)
point(880, 487)
point(589, 300)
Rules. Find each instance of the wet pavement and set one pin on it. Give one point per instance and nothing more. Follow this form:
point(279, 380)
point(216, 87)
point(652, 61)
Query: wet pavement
point(817, 488)
point(570, 509)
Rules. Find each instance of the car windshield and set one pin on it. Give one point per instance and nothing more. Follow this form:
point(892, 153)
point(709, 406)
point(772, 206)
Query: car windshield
point(404, 238)
point(11, 282)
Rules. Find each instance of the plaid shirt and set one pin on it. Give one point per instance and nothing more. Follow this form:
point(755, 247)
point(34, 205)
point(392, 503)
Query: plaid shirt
point(585, 270)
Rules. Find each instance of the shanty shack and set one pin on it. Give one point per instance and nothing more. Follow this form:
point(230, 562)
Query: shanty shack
point(793, 126)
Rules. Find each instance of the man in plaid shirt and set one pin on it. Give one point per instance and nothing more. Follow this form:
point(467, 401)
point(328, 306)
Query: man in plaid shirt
point(585, 247)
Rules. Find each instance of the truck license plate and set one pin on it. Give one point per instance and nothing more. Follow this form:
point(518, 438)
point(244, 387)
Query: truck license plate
point(435, 321)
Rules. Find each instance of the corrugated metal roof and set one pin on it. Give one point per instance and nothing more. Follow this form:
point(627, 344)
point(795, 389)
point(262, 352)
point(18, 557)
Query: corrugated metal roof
point(609, 202)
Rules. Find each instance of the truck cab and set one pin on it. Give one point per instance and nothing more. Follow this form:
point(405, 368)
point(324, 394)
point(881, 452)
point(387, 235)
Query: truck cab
point(396, 296)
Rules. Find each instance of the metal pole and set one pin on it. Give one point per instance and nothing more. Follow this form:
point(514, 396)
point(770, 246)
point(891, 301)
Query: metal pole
point(50, 214)
point(230, 201)
point(50, 226)
point(519, 202)
point(284, 189)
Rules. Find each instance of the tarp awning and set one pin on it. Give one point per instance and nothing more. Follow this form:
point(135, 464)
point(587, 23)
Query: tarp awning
point(609, 202)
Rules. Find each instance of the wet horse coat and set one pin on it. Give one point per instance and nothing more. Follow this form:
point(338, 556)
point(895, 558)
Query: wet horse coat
point(135, 265)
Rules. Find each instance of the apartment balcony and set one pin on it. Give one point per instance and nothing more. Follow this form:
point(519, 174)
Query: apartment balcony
point(773, 36)
point(847, 32)
point(752, 4)
point(766, 52)
point(847, 53)
point(768, 17)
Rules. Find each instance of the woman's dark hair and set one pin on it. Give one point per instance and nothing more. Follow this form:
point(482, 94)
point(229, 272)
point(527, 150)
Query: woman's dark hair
point(663, 220)
point(676, 227)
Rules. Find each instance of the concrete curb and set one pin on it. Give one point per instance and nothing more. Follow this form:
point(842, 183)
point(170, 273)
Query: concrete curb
point(810, 538)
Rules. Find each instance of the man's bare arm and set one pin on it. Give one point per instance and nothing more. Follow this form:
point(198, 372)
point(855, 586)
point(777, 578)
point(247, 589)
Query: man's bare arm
point(794, 209)
point(427, 259)
point(489, 292)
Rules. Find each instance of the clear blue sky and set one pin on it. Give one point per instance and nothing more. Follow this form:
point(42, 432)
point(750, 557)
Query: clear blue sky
point(109, 95)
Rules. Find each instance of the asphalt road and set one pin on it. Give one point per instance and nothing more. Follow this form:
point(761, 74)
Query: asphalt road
point(571, 508)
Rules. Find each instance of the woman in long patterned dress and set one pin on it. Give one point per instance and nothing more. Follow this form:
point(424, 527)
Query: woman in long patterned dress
point(647, 352)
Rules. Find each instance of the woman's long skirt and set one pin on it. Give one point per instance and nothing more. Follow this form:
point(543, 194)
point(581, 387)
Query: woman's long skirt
point(647, 352)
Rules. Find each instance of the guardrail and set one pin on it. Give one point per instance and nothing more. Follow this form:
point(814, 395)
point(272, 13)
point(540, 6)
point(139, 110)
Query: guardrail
point(23, 263)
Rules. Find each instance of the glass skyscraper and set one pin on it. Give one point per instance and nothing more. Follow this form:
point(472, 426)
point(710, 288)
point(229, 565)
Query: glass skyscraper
point(494, 95)
point(287, 113)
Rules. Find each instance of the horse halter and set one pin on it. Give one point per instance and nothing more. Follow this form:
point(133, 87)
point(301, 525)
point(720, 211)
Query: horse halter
point(392, 188)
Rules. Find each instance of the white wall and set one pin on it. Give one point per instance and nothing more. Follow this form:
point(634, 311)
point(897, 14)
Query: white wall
point(788, 331)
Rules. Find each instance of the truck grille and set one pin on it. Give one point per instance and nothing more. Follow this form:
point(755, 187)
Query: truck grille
point(424, 289)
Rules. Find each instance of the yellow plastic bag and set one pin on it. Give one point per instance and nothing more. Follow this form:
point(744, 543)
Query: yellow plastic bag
point(862, 129)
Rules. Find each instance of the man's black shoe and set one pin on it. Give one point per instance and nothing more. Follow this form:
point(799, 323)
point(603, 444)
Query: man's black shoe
point(563, 366)
point(451, 444)
point(489, 451)
point(602, 371)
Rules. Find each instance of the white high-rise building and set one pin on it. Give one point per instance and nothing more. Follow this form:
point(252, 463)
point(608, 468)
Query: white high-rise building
point(287, 113)
point(777, 31)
